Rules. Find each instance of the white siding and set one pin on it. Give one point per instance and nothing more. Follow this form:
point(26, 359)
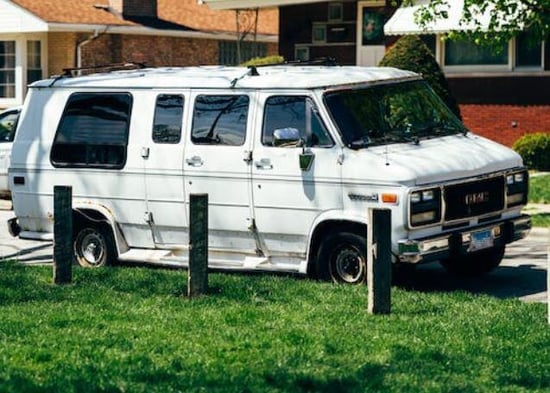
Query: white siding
point(14, 19)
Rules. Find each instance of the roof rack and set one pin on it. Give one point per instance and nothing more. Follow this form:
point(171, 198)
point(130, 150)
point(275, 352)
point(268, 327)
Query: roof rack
point(70, 72)
point(322, 61)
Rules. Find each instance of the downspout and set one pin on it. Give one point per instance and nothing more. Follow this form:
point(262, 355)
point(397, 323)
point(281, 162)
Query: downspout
point(81, 44)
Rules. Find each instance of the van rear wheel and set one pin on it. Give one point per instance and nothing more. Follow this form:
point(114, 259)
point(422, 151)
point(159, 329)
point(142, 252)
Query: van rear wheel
point(94, 246)
point(342, 258)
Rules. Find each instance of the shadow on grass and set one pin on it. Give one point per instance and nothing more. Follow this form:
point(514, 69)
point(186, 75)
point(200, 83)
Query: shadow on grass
point(504, 282)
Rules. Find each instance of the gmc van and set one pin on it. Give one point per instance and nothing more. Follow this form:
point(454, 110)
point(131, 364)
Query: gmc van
point(292, 158)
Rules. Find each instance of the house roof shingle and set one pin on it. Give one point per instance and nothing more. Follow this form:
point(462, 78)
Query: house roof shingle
point(186, 13)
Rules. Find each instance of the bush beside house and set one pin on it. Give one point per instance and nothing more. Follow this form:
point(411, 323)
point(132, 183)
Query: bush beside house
point(535, 150)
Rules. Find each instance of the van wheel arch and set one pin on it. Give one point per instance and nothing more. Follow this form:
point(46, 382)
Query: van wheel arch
point(93, 239)
point(328, 231)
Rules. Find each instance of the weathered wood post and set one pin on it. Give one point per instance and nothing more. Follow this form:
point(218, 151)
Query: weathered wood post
point(379, 261)
point(197, 283)
point(63, 235)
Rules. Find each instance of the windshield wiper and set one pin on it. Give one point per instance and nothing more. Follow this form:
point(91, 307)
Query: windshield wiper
point(360, 143)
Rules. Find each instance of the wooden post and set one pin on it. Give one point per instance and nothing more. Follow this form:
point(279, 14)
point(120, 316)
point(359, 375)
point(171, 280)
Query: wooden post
point(379, 261)
point(198, 245)
point(63, 235)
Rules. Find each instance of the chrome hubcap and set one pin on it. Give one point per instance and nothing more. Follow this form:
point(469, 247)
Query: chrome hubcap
point(349, 265)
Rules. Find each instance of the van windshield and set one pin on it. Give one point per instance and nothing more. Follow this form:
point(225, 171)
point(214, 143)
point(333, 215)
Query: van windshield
point(392, 113)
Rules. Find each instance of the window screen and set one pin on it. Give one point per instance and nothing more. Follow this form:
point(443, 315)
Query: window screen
point(7, 69)
point(93, 131)
point(168, 119)
point(220, 120)
point(468, 53)
point(528, 51)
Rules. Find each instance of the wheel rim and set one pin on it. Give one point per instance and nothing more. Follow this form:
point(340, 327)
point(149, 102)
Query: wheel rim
point(92, 248)
point(348, 265)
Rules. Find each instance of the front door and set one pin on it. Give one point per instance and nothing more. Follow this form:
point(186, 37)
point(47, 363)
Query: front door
point(295, 172)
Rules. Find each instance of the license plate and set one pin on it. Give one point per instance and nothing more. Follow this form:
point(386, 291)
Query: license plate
point(480, 240)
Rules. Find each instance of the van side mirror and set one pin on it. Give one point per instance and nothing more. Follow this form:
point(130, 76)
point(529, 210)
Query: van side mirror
point(286, 137)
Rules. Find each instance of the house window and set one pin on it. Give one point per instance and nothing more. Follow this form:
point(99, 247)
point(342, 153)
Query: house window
point(93, 131)
point(7, 69)
point(301, 53)
point(220, 120)
point(335, 12)
point(228, 53)
point(319, 34)
point(528, 53)
point(459, 53)
point(373, 27)
point(34, 61)
point(168, 119)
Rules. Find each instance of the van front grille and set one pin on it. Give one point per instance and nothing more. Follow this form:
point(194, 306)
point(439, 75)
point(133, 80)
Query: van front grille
point(474, 198)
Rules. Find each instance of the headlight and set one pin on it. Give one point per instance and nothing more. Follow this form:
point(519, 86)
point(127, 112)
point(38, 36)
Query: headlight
point(425, 207)
point(517, 186)
point(428, 195)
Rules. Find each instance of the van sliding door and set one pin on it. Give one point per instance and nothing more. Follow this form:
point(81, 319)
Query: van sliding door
point(162, 153)
point(216, 162)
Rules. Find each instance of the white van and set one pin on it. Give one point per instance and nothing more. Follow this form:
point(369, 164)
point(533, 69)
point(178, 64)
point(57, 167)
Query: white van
point(292, 158)
point(8, 124)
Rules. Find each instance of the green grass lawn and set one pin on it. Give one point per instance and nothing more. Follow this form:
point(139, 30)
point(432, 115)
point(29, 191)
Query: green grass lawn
point(539, 189)
point(133, 330)
point(539, 192)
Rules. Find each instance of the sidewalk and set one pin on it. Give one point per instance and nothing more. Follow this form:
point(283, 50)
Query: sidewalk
point(27, 251)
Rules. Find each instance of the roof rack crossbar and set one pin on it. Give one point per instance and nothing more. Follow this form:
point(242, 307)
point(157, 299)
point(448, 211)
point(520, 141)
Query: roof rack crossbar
point(70, 72)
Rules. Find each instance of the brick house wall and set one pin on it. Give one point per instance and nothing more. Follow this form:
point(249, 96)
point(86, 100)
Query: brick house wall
point(116, 48)
point(506, 123)
point(61, 51)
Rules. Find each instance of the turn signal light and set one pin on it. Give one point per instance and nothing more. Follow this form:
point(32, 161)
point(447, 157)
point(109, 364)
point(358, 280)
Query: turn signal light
point(389, 198)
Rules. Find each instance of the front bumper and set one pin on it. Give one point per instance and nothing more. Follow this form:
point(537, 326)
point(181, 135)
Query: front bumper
point(462, 242)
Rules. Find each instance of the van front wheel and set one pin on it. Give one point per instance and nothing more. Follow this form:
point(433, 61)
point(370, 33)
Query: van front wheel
point(342, 258)
point(94, 246)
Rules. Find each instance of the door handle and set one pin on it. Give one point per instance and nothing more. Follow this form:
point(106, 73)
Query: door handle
point(264, 163)
point(194, 161)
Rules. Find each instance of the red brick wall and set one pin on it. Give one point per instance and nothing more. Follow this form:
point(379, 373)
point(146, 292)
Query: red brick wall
point(506, 123)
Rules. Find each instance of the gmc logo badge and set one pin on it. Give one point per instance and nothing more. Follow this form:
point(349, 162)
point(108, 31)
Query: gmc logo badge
point(476, 197)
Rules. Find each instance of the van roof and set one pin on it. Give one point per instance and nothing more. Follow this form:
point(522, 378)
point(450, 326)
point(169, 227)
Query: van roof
point(281, 77)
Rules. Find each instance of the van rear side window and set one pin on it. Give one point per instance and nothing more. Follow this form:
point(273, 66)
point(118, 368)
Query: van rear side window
point(93, 131)
point(168, 119)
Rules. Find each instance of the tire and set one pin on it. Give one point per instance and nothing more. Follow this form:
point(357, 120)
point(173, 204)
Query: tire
point(342, 258)
point(94, 246)
point(475, 264)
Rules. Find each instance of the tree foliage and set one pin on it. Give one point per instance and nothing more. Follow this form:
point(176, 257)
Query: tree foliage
point(506, 19)
point(410, 53)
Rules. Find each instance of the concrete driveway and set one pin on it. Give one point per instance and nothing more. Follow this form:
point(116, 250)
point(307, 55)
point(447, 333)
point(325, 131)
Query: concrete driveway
point(522, 273)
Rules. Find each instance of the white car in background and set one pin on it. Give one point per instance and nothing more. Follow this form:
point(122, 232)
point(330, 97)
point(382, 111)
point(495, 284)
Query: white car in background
point(8, 123)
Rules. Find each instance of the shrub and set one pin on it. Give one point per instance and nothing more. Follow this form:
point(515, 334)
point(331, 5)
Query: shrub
point(256, 61)
point(535, 150)
point(410, 53)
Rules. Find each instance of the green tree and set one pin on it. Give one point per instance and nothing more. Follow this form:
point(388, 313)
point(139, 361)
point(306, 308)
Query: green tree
point(491, 22)
point(410, 53)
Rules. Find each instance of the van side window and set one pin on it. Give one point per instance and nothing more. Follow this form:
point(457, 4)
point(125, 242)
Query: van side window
point(93, 131)
point(168, 119)
point(220, 120)
point(294, 115)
